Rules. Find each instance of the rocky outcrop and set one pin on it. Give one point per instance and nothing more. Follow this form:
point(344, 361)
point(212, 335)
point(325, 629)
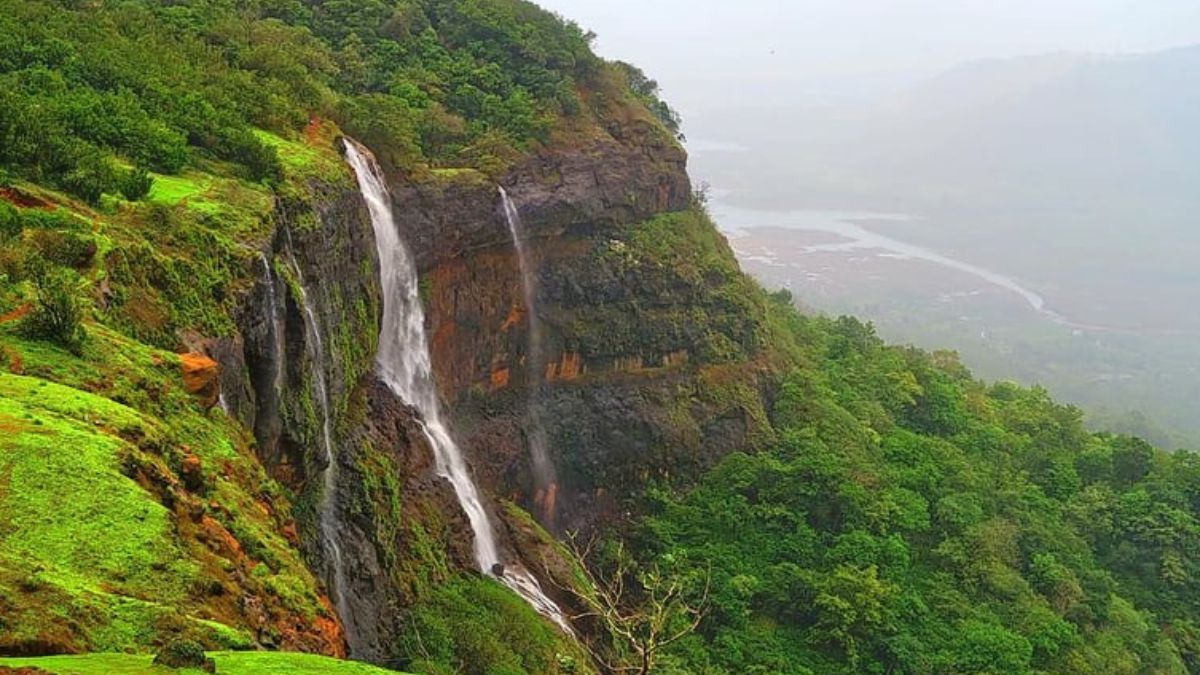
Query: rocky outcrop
point(201, 378)
point(320, 257)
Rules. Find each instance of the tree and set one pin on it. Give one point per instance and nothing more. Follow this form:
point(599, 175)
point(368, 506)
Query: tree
point(136, 184)
point(57, 315)
point(643, 609)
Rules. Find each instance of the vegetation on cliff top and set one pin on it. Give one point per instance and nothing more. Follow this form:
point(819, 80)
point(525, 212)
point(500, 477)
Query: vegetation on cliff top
point(93, 96)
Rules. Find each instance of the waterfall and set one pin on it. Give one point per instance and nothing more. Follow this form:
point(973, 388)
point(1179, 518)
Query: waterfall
point(277, 335)
point(544, 475)
point(327, 508)
point(405, 366)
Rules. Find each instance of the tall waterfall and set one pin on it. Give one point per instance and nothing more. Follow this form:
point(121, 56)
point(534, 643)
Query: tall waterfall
point(405, 365)
point(544, 475)
point(327, 508)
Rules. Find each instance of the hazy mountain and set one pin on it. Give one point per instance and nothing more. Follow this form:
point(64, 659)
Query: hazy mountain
point(1075, 174)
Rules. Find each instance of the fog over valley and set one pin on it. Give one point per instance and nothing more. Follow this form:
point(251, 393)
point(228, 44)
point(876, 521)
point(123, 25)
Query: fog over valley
point(1016, 183)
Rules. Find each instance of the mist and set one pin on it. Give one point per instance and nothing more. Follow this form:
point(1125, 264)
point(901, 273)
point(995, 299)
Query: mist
point(708, 55)
point(932, 166)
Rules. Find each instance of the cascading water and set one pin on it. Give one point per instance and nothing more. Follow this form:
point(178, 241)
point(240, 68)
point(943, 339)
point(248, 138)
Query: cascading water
point(327, 508)
point(545, 479)
point(277, 336)
point(405, 367)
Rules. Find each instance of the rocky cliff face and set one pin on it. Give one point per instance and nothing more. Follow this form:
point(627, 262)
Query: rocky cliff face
point(624, 387)
point(630, 387)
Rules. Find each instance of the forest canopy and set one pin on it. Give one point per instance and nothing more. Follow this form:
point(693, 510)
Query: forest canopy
point(910, 518)
point(91, 96)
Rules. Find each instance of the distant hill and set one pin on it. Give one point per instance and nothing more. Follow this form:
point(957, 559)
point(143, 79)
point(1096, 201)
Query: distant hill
point(1075, 173)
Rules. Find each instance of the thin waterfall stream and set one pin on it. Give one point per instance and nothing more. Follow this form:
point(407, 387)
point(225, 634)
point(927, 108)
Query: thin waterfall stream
point(327, 507)
point(544, 474)
point(277, 336)
point(405, 366)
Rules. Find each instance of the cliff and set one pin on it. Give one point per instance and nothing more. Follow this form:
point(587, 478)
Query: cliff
point(228, 303)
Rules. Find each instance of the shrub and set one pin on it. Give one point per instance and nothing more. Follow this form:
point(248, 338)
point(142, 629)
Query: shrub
point(10, 221)
point(241, 146)
point(65, 248)
point(136, 184)
point(184, 654)
point(92, 175)
point(57, 315)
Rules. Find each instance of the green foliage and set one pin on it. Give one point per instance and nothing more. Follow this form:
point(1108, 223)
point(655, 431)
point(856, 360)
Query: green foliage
point(184, 654)
point(911, 519)
point(57, 315)
point(10, 221)
point(646, 90)
point(86, 88)
point(475, 625)
point(227, 663)
point(136, 184)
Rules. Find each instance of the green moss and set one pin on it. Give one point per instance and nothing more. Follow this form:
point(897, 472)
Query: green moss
point(95, 560)
point(476, 623)
point(171, 190)
point(228, 663)
point(302, 160)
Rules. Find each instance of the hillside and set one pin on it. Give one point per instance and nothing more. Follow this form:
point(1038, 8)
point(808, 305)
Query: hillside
point(337, 328)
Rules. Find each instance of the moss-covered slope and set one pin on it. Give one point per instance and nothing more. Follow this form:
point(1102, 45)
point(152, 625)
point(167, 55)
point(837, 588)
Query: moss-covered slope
point(227, 663)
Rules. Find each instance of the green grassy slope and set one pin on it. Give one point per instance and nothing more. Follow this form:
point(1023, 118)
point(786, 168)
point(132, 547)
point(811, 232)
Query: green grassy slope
point(228, 663)
point(106, 546)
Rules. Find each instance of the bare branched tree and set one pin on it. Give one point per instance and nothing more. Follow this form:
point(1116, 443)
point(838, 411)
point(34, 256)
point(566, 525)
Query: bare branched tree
point(643, 609)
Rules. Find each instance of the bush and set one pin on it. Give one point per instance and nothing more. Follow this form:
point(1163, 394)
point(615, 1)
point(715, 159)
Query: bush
point(243, 147)
point(10, 221)
point(136, 184)
point(64, 248)
point(184, 654)
point(92, 176)
point(57, 315)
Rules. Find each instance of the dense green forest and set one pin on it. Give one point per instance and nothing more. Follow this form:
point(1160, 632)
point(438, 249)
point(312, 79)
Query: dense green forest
point(93, 97)
point(910, 518)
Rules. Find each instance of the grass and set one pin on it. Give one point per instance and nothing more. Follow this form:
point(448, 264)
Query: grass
point(308, 157)
point(91, 559)
point(228, 663)
point(75, 513)
point(171, 190)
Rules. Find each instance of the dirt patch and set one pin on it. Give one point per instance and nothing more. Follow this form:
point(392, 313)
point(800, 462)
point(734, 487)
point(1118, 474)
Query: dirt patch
point(23, 199)
point(17, 313)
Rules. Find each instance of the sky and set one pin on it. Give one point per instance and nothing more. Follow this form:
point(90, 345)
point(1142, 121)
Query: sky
point(711, 53)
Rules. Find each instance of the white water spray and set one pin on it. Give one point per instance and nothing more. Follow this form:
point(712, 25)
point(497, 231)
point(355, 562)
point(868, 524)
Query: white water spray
point(327, 508)
point(405, 365)
point(544, 474)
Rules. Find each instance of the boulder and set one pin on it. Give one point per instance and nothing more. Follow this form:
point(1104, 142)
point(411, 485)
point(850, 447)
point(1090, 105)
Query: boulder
point(201, 378)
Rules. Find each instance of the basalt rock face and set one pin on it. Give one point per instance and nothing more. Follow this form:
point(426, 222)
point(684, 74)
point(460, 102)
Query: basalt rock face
point(623, 390)
point(321, 258)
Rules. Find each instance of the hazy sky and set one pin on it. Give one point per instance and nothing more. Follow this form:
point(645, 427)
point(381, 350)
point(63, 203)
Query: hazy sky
point(709, 52)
